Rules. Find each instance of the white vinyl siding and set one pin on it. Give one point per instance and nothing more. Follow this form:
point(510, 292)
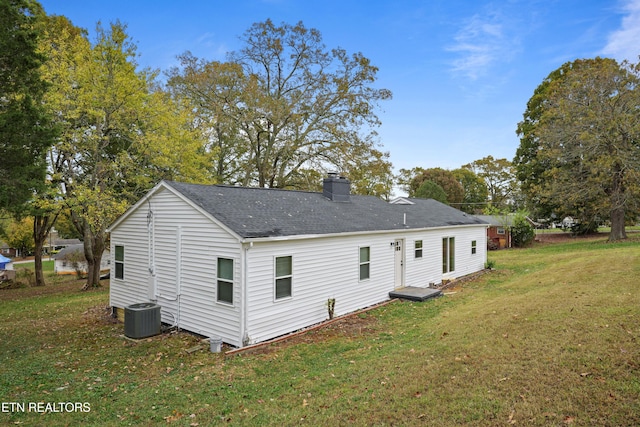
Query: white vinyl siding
point(328, 267)
point(428, 269)
point(184, 278)
point(323, 268)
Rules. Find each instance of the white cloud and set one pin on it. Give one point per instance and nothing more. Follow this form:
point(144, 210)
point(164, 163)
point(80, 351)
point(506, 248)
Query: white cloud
point(624, 43)
point(481, 43)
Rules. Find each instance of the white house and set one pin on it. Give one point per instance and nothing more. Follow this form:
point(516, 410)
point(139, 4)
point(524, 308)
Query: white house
point(250, 264)
point(71, 260)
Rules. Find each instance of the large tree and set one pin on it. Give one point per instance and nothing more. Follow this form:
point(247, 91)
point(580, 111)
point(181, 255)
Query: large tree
point(283, 106)
point(18, 234)
point(499, 177)
point(443, 178)
point(582, 136)
point(25, 128)
point(119, 135)
point(475, 191)
point(430, 190)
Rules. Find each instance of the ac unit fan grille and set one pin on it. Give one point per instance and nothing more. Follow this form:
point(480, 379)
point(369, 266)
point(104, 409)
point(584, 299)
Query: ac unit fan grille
point(142, 320)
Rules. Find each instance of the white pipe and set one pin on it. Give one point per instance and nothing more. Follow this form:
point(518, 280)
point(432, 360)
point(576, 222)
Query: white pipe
point(243, 293)
point(179, 272)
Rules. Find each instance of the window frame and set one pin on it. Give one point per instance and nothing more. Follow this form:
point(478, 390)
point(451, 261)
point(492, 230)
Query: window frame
point(417, 249)
point(225, 280)
point(362, 263)
point(474, 247)
point(277, 278)
point(448, 254)
point(118, 263)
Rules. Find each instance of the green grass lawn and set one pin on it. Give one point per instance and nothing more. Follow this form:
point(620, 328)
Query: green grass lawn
point(551, 337)
point(47, 265)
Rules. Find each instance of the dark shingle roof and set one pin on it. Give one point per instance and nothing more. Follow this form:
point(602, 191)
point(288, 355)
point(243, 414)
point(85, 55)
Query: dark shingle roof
point(497, 220)
point(70, 251)
point(260, 212)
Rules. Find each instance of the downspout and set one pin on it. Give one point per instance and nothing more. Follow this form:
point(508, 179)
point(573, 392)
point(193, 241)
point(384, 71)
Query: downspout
point(151, 253)
point(179, 274)
point(244, 337)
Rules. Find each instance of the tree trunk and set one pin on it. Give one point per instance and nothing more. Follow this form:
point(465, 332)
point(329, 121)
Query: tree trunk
point(94, 245)
point(617, 205)
point(42, 225)
point(618, 231)
point(38, 263)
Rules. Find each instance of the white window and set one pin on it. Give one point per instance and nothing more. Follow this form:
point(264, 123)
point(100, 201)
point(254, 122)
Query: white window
point(473, 247)
point(119, 258)
point(284, 277)
point(448, 254)
point(418, 249)
point(225, 281)
point(365, 262)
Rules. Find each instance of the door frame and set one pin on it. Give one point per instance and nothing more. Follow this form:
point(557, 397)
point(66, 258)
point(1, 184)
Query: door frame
point(398, 263)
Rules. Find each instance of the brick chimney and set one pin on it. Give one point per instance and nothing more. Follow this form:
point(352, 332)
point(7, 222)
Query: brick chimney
point(336, 188)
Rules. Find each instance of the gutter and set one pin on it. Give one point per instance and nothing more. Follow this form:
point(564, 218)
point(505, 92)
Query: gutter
point(248, 240)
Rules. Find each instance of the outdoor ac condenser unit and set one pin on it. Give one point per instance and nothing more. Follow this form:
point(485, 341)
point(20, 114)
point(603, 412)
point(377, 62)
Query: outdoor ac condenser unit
point(142, 320)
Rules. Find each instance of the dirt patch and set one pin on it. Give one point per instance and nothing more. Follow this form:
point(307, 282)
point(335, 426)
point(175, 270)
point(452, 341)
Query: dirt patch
point(351, 326)
point(99, 314)
point(562, 237)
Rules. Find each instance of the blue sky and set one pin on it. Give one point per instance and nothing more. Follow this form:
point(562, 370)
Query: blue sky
point(461, 71)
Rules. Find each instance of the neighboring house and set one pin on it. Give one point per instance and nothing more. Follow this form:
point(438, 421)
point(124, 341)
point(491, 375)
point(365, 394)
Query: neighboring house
point(59, 244)
point(55, 243)
point(71, 260)
point(499, 230)
point(7, 250)
point(250, 264)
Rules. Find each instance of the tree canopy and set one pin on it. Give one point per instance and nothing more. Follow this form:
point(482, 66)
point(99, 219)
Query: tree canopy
point(119, 135)
point(475, 191)
point(283, 107)
point(445, 180)
point(499, 179)
point(431, 190)
point(580, 142)
point(25, 127)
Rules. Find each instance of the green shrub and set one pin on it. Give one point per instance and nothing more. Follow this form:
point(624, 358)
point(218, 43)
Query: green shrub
point(25, 277)
point(522, 232)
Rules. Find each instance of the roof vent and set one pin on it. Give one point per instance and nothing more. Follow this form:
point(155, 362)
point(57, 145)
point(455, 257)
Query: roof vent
point(336, 188)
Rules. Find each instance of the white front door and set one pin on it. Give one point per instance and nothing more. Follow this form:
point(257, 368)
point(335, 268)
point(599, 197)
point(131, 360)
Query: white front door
point(399, 263)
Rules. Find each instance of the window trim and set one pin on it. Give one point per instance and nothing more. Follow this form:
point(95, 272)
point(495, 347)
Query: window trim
point(417, 250)
point(474, 247)
point(363, 263)
point(225, 281)
point(118, 262)
point(448, 255)
point(286, 276)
